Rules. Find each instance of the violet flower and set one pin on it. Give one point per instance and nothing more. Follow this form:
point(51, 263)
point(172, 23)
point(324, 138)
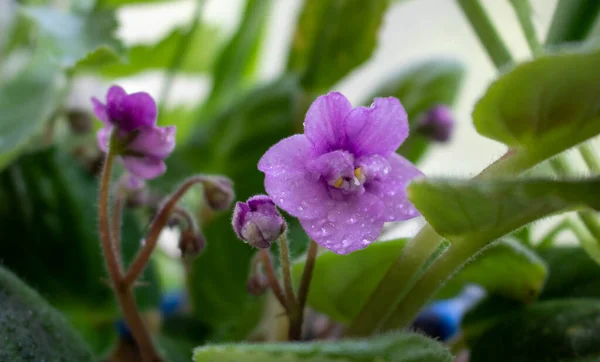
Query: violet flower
point(141, 144)
point(342, 178)
point(258, 222)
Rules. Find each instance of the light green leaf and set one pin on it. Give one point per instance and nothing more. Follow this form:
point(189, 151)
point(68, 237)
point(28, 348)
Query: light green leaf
point(26, 103)
point(342, 283)
point(67, 37)
point(332, 38)
point(543, 107)
point(489, 209)
point(237, 62)
point(563, 330)
point(507, 269)
point(420, 88)
point(406, 347)
point(205, 42)
point(30, 330)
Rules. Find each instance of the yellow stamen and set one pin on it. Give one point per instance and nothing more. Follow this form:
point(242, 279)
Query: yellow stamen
point(338, 183)
point(358, 173)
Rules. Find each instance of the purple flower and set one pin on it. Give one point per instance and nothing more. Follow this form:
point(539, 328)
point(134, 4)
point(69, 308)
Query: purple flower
point(258, 222)
point(141, 144)
point(437, 123)
point(342, 178)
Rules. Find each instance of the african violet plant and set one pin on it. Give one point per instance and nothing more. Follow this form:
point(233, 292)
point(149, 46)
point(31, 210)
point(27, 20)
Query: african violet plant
point(83, 277)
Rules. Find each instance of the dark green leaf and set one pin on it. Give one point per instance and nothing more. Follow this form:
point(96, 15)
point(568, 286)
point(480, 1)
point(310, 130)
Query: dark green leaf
point(485, 315)
point(543, 107)
point(572, 20)
point(420, 88)
point(564, 330)
point(507, 269)
point(489, 209)
point(572, 273)
point(332, 38)
point(231, 144)
point(27, 102)
point(68, 37)
point(30, 330)
point(392, 348)
point(48, 223)
point(205, 41)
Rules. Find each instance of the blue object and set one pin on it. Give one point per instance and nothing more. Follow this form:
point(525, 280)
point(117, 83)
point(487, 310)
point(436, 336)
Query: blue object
point(123, 330)
point(442, 319)
point(171, 303)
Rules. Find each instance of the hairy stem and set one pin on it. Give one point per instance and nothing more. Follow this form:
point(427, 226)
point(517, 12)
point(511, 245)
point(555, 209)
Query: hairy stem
point(116, 226)
point(272, 277)
point(123, 291)
point(141, 260)
point(304, 288)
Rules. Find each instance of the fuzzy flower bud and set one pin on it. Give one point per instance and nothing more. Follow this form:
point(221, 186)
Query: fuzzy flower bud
point(257, 284)
point(258, 222)
point(218, 192)
point(437, 123)
point(191, 243)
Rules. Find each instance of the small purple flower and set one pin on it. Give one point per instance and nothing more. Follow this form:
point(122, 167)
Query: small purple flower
point(258, 222)
point(141, 144)
point(342, 178)
point(437, 123)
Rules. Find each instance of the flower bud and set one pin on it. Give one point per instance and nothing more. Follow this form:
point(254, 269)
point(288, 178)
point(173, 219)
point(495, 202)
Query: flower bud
point(257, 284)
point(191, 243)
point(79, 121)
point(218, 192)
point(437, 123)
point(258, 222)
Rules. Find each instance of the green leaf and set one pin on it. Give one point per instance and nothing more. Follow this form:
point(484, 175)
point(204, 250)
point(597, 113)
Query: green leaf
point(31, 330)
point(572, 273)
point(342, 283)
point(48, 223)
point(543, 107)
point(564, 330)
point(420, 88)
point(392, 348)
point(68, 37)
point(489, 209)
point(507, 269)
point(332, 38)
point(205, 42)
point(27, 101)
point(237, 62)
point(572, 20)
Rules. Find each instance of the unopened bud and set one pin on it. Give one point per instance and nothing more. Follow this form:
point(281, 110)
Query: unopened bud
point(191, 243)
point(437, 123)
point(257, 284)
point(80, 121)
point(218, 192)
point(258, 222)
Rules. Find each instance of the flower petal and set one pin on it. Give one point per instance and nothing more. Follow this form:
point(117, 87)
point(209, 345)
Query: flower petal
point(131, 111)
point(324, 122)
point(147, 167)
point(154, 141)
point(349, 226)
point(293, 188)
point(100, 110)
point(379, 129)
point(392, 190)
point(103, 136)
